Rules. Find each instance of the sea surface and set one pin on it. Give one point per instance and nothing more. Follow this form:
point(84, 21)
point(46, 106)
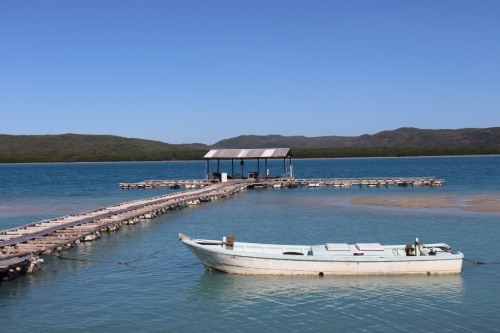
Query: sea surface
point(171, 291)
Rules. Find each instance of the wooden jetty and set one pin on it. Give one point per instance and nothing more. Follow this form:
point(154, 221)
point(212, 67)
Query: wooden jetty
point(371, 182)
point(174, 184)
point(280, 182)
point(20, 247)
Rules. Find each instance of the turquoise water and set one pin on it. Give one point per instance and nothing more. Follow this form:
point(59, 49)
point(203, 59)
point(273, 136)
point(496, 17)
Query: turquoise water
point(171, 291)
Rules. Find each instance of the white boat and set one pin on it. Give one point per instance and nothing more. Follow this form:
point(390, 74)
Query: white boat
point(327, 259)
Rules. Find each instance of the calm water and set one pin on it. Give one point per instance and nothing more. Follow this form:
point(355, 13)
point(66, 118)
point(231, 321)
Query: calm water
point(171, 291)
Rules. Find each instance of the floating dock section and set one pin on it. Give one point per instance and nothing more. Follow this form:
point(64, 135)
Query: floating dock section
point(21, 247)
point(294, 182)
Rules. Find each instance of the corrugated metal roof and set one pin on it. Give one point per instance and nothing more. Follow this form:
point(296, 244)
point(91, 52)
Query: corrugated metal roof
point(248, 153)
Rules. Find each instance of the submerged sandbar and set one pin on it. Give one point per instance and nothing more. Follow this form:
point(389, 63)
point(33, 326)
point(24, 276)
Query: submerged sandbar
point(476, 203)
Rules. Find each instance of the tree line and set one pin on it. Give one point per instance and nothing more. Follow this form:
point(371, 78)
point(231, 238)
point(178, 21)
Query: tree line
point(197, 154)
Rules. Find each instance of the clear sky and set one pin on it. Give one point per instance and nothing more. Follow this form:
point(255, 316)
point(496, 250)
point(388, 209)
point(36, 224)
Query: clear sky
point(189, 71)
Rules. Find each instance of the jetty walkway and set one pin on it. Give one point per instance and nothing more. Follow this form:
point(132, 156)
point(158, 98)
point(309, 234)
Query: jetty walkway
point(295, 182)
point(21, 247)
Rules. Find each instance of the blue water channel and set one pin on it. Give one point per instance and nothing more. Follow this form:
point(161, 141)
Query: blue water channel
point(171, 291)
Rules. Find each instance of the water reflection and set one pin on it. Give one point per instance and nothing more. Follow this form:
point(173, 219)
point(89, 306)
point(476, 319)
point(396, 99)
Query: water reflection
point(215, 285)
point(296, 304)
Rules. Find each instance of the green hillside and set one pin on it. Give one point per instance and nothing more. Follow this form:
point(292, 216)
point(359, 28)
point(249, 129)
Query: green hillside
point(89, 148)
point(405, 137)
point(100, 148)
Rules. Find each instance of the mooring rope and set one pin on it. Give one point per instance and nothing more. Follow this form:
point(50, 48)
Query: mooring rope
point(120, 262)
point(150, 255)
point(173, 244)
point(482, 262)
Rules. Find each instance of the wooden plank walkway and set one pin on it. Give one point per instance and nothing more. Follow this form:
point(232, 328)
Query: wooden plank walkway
point(20, 246)
point(297, 182)
point(370, 182)
point(148, 184)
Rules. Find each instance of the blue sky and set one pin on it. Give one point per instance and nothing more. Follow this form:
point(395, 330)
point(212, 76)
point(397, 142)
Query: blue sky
point(201, 71)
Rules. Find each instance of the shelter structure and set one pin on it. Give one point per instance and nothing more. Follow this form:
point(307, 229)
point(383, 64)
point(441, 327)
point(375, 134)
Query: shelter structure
point(249, 154)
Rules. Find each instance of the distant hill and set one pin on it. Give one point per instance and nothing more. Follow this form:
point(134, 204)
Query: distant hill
point(69, 143)
point(405, 137)
point(401, 142)
point(81, 147)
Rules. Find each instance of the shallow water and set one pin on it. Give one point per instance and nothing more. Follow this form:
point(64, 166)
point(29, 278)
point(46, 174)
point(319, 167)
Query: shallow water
point(171, 291)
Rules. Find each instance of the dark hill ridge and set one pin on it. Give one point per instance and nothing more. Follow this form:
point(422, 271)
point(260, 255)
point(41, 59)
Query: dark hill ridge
point(405, 137)
point(89, 148)
point(400, 142)
point(69, 143)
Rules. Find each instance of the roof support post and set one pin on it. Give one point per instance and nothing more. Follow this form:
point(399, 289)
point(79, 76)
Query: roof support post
point(267, 170)
point(232, 168)
point(207, 175)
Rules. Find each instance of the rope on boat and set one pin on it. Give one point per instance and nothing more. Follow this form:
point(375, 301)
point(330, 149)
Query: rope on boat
point(120, 262)
point(173, 244)
point(482, 262)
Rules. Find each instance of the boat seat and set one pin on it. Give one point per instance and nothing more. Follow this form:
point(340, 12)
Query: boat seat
point(355, 251)
point(319, 250)
point(369, 247)
point(337, 247)
point(331, 250)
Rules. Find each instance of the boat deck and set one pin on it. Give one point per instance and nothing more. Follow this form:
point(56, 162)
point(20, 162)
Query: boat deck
point(336, 249)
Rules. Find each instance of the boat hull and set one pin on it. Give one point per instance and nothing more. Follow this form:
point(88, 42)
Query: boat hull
point(262, 264)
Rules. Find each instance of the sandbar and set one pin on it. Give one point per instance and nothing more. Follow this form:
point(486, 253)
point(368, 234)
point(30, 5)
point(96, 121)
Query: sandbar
point(476, 203)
